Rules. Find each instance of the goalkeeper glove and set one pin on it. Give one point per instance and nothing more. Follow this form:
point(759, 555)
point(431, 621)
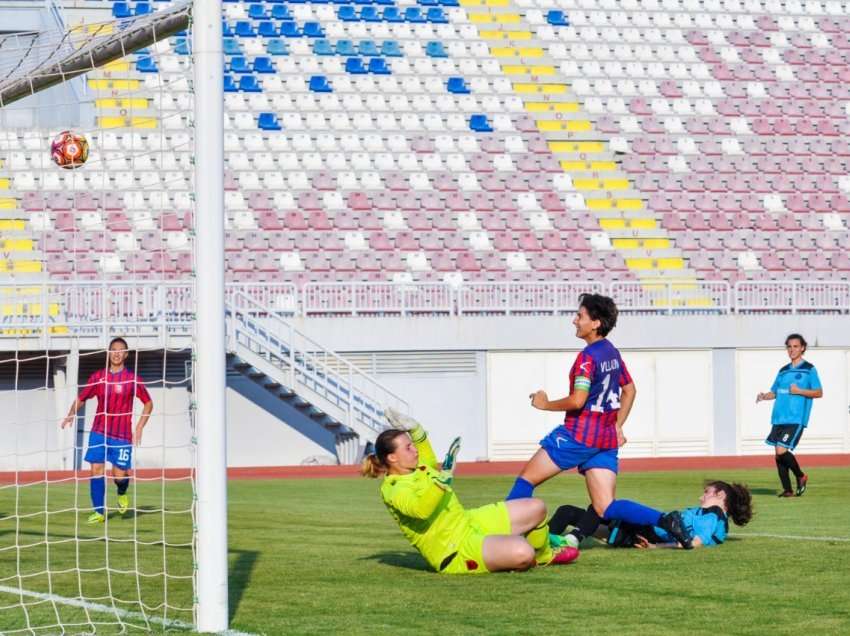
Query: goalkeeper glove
point(405, 423)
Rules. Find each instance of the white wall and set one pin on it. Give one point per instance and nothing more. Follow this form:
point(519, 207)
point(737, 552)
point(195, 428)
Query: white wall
point(674, 413)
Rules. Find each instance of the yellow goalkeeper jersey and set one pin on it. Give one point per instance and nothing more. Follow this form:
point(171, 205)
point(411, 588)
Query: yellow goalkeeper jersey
point(425, 507)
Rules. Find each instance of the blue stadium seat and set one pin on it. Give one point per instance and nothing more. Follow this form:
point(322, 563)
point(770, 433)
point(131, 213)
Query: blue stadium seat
point(450, 3)
point(121, 10)
point(479, 123)
point(391, 49)
point(378, 66)
point(368, 48)
point(268, 121)
point(146, 65)
point(143, 8)
point(231, 47)
point(392, 14)
point(239, 64)
point(267, 29)
point(429, 3)
point(435, 49)
point(437, 16)
point(313, 30)
point(355, 66)
point(245, 29)
point(370, 14)
point(362, 1)
point(290, 29)
point(277, 47)
point(457, 85)
point(230, 85)
point(557, 18)
point(181, 47)
point(385, 2)
point(413, 14)
point(346, 47)
point(226, 29)
point(347, 13)
point(323, 47)
point(320, 84)
point(281, 12)
point(264, 64)
point(257, 12)
point(250, 84)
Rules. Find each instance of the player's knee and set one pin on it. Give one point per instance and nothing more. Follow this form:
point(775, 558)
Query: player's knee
point(601, 506)
point(537, 510)
point(523, 555)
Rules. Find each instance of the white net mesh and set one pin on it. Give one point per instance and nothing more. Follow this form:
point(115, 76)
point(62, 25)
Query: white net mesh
point(90, 253)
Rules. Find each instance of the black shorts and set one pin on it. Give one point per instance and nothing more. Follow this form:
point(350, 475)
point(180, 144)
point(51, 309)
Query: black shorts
point(623, 534)
point(786, 435)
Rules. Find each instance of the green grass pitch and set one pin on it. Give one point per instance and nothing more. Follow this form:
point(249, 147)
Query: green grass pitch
point(323, 556)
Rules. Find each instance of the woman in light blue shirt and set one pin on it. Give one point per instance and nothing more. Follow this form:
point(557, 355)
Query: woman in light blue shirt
point(794, 388)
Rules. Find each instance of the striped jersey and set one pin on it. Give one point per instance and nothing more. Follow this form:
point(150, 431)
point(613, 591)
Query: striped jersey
point(115, 393)
point(599, 369)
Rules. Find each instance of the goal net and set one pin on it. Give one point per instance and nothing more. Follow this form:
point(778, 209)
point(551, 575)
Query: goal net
point(103, 250)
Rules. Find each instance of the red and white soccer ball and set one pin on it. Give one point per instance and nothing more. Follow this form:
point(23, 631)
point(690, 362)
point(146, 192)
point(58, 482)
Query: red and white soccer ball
point(69, 150)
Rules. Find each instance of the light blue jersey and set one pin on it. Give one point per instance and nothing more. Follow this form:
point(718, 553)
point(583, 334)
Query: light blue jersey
point(793, 409)
point(711, 525)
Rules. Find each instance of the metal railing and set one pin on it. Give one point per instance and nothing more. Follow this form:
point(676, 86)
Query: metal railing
point(95, 308)
point(257, 333)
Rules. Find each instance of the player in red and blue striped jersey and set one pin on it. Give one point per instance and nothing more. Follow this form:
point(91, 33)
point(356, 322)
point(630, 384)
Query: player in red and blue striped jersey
point(112, 436)
point(601, 396)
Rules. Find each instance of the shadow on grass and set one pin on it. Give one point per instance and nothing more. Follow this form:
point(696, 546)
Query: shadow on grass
point(241, 569)
point(764, 491)
point(407, 560)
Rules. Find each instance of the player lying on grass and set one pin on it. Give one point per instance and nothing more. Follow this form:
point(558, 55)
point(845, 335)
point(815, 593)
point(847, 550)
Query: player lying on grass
point(418, 493)
point(601, 396)
point(706, 524)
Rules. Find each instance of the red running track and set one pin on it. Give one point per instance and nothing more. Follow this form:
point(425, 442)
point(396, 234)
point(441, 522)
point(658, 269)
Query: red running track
point(725, 462)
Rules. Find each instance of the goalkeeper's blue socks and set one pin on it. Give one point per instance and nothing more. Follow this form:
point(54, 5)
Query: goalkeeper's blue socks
point(522, 490)
point(633, 512)
point(97, 486)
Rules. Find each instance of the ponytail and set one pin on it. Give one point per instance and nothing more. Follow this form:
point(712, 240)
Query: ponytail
point(739, 501)
point(372, 467)
point(375, 464)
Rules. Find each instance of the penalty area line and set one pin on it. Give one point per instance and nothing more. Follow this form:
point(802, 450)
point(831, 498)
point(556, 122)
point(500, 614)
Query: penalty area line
point(792, 537)
point(115, 611)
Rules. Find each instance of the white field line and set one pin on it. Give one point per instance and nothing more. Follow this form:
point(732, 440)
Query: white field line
point(791, 537)
point(106, 609)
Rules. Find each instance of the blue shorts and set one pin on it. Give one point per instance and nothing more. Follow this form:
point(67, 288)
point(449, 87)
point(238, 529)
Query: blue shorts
point(568, 453)
point(118, 452)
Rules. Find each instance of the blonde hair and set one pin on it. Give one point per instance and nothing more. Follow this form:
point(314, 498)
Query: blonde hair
point(375, 464)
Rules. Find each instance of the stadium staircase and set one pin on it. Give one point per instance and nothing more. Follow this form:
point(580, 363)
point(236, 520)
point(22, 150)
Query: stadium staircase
point(317, 383)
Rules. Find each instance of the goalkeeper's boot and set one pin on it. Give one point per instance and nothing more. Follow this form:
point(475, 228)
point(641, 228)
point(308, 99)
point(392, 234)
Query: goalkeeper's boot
point(95, 518)
point(564, 555)
point(672, 522)
point(123, 503)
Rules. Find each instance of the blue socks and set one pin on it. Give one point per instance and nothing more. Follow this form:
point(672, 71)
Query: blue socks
point(97, 486)
point(633, 512)
point(522, 489)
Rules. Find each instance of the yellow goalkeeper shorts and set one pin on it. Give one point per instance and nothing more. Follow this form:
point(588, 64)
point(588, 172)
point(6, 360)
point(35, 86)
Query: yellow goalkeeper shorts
point(481, 523)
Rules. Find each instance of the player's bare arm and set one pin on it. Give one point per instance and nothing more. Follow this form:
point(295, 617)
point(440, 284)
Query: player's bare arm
point(627, 399)
point(143, 420)
point(572, 402)
point(767, 395)
point(72, 412)
point(809, 393)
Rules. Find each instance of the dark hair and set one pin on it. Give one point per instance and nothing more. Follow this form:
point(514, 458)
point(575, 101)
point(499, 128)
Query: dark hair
point(121, 340)
point(796, 336)
point(600, 308)
point(739, 501)
point(375, 463)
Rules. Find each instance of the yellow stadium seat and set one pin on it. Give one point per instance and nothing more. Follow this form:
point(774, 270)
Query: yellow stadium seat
point(498, 4)
point(518, 35)
point(8, 203)
point(470, 3)
point(531, 51)
point(17, 245)
point(480, 18)
point(612, 224)
point(4, 183)
point(542, 69)
point(20, 267)
point(508, 18)
point(616, 184)
point(553, 125)
point(577, 146)
point(11, 225)
point(656, 243)
point(587, 184)
point(514, 69)
point(625, 243)
point(599, 204)
point(143, 122)
point(112, 122)
point(125, 102)
point(671, 263)
point(114, 84)
point(629, 204)
point(639, 263)
point(493, 35)
point(117, 65)
point(643, 224)
point(503, 51)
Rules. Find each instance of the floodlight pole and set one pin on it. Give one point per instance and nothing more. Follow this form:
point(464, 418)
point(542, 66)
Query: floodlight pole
point(209, 365)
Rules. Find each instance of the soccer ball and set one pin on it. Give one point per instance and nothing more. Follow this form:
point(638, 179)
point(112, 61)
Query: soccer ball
point(69, 150)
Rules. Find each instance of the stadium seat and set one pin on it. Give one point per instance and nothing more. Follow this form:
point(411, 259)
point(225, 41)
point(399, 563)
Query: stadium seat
point(121, 10)
point(268, 121)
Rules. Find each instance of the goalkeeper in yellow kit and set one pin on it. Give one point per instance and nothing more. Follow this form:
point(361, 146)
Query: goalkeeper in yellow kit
point(507, 535)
